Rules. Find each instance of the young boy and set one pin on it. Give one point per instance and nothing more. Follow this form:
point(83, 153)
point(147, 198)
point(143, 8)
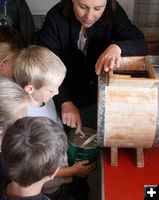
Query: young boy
point(14, 102)
point(40, 72)
point(33, 149)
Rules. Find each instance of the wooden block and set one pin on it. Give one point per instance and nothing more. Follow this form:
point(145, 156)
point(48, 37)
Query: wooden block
point(114, 156)
point(122, 76)
point(140, 157)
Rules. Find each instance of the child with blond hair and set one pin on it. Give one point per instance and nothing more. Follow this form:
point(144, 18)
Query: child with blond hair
point(40, 73)
point(14, 102)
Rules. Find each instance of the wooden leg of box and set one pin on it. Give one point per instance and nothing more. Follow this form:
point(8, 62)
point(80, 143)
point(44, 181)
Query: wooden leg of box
point(140, 157)
point(114, 156)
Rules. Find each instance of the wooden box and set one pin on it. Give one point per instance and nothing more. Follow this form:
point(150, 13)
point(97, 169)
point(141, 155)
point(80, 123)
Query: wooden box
point(128, 105)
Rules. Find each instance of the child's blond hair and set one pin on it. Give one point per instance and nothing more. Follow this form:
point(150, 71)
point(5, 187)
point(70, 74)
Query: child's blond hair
point(13, 100)
point(38, 66)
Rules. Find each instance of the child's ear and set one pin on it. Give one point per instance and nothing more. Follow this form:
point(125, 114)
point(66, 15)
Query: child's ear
point(51, 176)
point(29, 89)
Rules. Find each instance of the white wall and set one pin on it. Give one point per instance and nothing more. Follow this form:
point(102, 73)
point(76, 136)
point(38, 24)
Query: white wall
point(40, 7)
point(146, 13)
point(128, 6)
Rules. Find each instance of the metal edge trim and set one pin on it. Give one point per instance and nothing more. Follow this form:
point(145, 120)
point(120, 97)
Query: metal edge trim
point(101, 109)
point(156, 139)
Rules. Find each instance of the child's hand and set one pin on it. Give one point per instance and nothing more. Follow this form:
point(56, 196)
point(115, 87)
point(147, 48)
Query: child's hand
point(71, 116)
point(82, 168)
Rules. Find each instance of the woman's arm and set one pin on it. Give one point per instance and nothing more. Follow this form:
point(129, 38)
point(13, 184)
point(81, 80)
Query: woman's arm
point(126, 35)
point(128, 40)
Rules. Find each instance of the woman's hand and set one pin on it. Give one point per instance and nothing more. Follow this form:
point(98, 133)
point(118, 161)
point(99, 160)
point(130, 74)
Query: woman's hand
point(71, 116)
point(108, 59)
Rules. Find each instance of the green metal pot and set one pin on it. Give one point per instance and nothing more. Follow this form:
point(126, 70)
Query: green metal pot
point(77, 153)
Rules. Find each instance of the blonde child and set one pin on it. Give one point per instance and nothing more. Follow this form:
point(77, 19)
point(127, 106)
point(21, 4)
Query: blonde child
point(38, 146)
point(14, 102)
point(40, 72)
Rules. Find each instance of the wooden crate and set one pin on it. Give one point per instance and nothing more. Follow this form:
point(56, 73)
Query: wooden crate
point(128, 105)
point(129, 101)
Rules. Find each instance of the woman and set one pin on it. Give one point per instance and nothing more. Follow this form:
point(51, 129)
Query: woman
point(88, 36)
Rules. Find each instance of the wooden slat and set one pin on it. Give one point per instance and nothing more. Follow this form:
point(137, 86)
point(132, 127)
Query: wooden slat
point(133, 82)
point(140, 157)
point(114, 156)
point(133, 63)
point(122, 76)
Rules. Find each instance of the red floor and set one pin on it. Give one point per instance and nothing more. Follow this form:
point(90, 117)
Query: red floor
point(126, 181)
